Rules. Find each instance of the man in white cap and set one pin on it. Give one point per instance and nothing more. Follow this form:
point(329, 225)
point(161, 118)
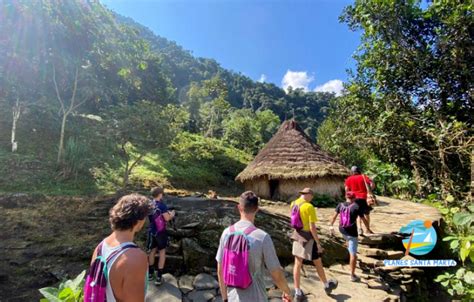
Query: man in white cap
point(306, 244)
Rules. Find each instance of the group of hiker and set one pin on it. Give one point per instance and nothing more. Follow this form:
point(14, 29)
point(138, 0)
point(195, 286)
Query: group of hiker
point(119, 269)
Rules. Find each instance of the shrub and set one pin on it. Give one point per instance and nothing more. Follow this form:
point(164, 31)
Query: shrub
point(325, 201)
point(460, 226)
point(68, 291)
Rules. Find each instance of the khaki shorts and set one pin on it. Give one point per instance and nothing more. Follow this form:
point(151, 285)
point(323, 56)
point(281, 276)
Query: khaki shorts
point(308, 251)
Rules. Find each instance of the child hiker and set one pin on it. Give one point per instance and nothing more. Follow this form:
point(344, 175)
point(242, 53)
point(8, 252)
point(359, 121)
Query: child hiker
point(157, 234)
point(349, 211)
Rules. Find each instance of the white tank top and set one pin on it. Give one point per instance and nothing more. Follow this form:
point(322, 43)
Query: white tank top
point(106, 251)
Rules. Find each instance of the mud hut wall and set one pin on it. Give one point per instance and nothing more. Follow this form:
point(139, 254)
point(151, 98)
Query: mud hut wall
point(329, 185)
point(259, 186)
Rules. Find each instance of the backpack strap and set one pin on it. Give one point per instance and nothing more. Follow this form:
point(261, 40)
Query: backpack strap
point(249, 230)
point(369, 190)
point(99, 249)
point(116, 252)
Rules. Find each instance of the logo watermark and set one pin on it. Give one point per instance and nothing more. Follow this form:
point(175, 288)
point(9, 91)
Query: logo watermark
point(420, 263)
point(420, 237)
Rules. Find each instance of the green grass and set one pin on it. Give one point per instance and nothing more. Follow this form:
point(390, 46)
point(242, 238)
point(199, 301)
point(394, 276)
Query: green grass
point(191, 162)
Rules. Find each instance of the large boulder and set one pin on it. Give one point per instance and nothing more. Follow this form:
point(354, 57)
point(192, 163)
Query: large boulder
point(197, 228)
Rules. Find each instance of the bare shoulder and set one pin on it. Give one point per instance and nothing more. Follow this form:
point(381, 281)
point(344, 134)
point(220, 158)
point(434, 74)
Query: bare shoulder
point(133, 258)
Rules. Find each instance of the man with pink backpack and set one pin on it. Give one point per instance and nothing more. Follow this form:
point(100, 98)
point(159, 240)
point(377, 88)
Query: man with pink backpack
point(349, 211)
point(244, 252)
point(157, 239)
point(118, 270)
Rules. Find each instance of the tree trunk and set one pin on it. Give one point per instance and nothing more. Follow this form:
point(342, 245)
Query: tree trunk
point(16, 115)
point(472, 176)
point(129, 168)
point(126, 175)
point(61, 139)
point(417, 177)
point(209, 132)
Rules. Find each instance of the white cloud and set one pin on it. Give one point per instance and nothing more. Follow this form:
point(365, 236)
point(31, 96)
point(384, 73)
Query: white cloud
point(296, 79)
point(262, 78)
point(334, 86)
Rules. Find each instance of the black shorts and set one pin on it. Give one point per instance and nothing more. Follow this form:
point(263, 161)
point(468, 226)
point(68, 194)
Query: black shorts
point(315, 253)
point(363, 206)
point(159, 241)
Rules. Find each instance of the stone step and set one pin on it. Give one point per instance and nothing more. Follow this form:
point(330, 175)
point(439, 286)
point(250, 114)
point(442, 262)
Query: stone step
point(379, 253)
point(168, 291)
point(383, 239)
point(369, 262)
point(377, 284)
point(344, 269)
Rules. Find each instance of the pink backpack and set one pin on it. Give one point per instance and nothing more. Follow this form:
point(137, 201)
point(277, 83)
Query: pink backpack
point(345, 215)
point(295, 219)
point(236, 258)
point(160, 221)
point(95, 287)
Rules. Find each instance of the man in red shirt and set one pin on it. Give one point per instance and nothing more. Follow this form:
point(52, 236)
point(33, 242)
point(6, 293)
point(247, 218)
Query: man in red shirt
point(357, 184)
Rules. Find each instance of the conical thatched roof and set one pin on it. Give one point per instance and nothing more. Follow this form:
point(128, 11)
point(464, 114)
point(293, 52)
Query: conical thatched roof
point(290, 154)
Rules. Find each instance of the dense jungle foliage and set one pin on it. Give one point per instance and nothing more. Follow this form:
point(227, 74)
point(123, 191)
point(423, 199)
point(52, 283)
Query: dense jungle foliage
point(101, 102)
point(91, 102)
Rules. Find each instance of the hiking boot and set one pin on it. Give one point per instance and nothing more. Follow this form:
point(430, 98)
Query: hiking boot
point(355, 278)
point(158, 280)
point(299, 298)
point(332, 285)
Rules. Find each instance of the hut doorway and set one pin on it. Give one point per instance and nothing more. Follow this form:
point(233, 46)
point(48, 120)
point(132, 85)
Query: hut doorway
point(274, 184)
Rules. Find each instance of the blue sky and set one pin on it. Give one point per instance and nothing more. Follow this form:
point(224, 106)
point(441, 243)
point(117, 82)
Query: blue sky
point(292, 42)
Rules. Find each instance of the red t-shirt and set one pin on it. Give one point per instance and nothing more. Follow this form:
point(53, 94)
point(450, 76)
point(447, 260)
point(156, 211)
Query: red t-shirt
point(355, 183)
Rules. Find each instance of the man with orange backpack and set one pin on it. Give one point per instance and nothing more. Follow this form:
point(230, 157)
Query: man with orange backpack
point(244, 252)
point(306, 244)
point(157, 234)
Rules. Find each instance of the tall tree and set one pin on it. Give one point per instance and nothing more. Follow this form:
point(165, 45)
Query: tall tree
point(21, 58)
point(69, 105)
point(410, 98)
point(141, 127)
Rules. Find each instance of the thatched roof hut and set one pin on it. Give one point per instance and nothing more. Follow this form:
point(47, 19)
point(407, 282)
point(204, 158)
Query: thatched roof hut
point(288, 163)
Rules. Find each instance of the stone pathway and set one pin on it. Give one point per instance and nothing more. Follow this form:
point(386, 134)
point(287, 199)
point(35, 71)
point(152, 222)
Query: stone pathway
point(389, 216)
point(378, 283)
point(204, 288)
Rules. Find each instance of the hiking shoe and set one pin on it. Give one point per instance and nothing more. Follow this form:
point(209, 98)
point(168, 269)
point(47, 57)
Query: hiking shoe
point(299, 298)
point(355, 278)
point(158, 280)
point(332, 285)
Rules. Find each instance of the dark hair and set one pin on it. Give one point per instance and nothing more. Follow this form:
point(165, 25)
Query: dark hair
point(249, 202)
point(131, 208)
point(356, 170)
point(156, 191)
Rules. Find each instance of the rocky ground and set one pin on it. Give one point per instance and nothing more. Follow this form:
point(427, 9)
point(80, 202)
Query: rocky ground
point(378, 283)
point(44, 240)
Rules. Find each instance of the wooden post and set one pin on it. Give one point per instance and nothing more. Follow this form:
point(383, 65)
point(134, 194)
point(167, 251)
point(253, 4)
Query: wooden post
point(409, 243)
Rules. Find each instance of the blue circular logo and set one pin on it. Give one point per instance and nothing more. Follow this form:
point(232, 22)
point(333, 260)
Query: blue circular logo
point(422, 237)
